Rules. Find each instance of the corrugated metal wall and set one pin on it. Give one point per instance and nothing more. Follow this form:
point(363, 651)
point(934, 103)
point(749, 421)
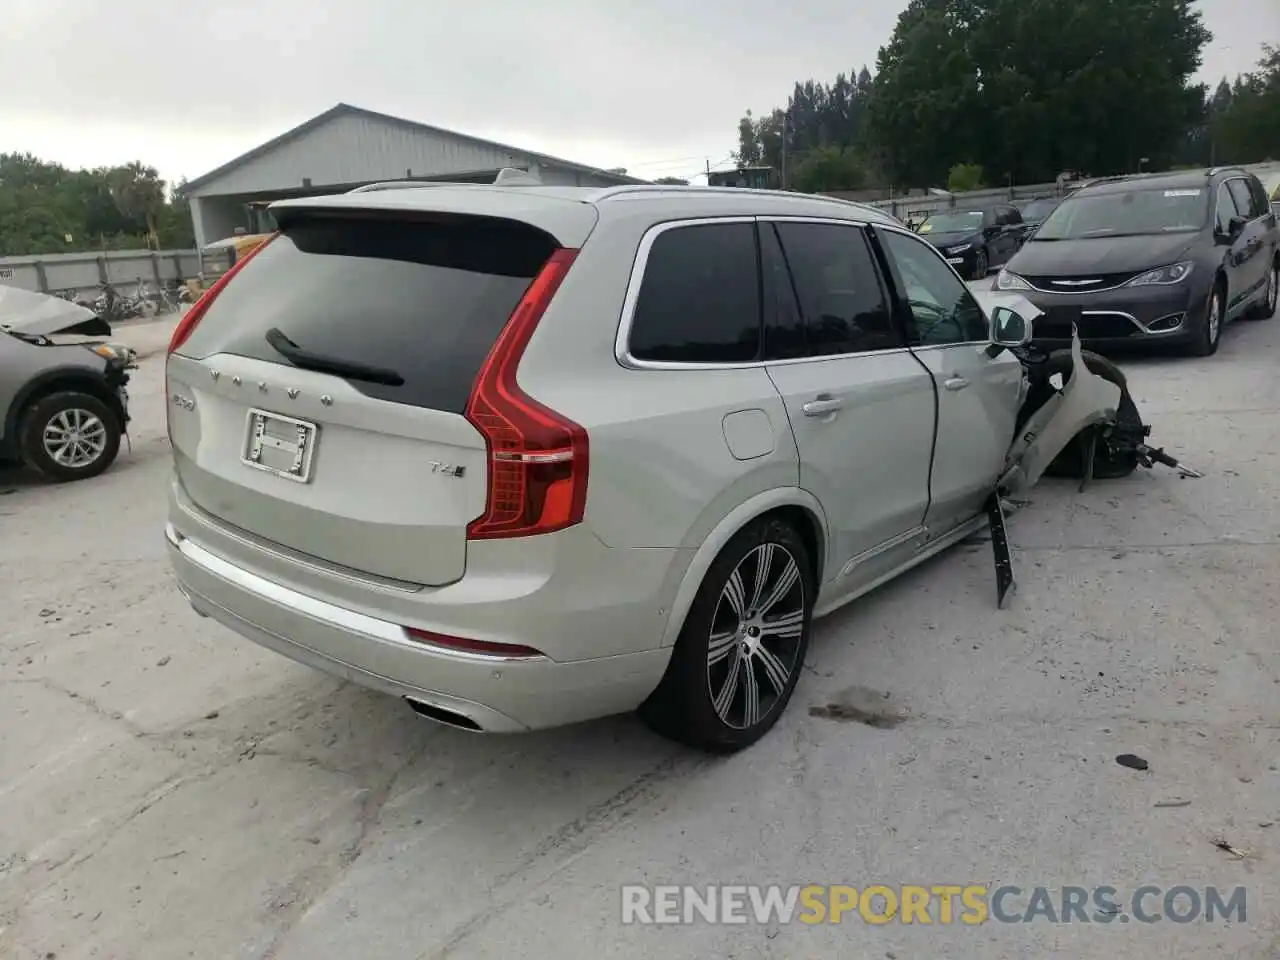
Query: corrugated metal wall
point(355, 149)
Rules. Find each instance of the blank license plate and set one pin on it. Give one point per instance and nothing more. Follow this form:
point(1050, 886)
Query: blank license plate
point(280, 445)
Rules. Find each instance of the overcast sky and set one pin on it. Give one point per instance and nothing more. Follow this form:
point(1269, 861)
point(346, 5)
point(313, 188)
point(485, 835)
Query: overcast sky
point(657, 89)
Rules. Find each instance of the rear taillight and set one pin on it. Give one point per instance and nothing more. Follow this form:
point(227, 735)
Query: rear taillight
point(187, 325)
point(538, 459)
point(482, 648)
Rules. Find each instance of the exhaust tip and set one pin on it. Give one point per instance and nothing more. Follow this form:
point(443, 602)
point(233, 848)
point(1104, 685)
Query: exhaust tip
point(449, 718)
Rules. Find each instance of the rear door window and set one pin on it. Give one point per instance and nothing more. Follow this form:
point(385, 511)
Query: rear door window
point(699, 301)
point(424, 299)
point(841, 300)
point(1261, 205)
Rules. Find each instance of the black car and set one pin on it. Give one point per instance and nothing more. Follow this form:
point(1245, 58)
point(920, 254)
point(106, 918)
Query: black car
point(974, 241)
point(1034, 212)
point(1157, 257)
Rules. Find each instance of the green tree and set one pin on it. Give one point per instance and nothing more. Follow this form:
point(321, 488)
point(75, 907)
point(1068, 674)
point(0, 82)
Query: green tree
point(1034, 87)
point(965, 176)
point(1246, 128)
point(46, 208)
point(824, 169)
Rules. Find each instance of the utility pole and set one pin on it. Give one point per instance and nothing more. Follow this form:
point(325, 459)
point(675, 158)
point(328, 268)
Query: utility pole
point(784, 150)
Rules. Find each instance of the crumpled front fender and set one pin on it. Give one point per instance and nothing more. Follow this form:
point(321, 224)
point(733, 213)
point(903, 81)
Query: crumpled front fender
point(1086, 399)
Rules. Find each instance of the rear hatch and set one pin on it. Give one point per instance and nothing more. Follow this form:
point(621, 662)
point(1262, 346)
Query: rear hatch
point(319, 401)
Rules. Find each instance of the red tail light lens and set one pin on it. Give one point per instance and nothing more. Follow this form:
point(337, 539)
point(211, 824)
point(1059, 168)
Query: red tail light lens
point(484, 648)
point(538, 459)
point(187, 325)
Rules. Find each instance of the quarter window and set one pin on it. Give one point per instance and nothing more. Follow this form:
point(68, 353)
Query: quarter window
point(699, 301)
point(939, 306)
point(1244, 200)
point(842, 304)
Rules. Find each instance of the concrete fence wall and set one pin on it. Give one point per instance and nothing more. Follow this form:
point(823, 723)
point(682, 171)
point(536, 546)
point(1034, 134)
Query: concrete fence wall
point(82, 272)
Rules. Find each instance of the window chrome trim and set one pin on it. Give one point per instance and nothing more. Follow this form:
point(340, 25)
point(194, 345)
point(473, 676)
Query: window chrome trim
point(621, 343)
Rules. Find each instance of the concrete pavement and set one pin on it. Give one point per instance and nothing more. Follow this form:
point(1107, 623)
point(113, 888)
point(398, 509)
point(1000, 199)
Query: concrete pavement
point(169, 790)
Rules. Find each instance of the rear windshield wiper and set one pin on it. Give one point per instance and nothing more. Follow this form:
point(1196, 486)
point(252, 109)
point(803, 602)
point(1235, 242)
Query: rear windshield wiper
point(307, 360)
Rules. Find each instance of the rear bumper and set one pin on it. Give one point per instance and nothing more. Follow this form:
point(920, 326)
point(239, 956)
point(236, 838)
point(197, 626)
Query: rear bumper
point(495, 695)
point(597, 613)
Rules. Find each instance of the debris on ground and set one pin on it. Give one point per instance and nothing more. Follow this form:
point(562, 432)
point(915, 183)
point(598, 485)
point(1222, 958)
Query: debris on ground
point(163, 661)
point(1172, 803)
point(1225, 847)
point(1132, 761)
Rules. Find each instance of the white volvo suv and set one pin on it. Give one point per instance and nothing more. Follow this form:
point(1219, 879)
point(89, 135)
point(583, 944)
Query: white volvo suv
point(526, 455)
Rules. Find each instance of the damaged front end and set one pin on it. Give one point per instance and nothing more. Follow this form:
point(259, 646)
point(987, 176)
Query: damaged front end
point(1078, 420)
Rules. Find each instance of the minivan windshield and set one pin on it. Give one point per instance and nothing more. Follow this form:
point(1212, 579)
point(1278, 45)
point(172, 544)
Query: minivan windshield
point(1142, 211)
point(1039, 209)
point(970, 222)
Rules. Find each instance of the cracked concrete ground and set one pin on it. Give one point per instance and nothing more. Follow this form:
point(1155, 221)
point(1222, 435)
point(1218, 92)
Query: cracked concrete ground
point(168, 790)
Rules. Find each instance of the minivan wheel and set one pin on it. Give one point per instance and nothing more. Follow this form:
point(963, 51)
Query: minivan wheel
point(739, 654)
point(1266, 309)
point(1206, 342)
point(70, 436)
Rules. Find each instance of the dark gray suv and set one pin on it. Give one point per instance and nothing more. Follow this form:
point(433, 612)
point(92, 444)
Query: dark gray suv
point(1158, 257)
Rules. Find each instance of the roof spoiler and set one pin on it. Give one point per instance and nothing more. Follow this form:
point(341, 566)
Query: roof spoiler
point(507, 176)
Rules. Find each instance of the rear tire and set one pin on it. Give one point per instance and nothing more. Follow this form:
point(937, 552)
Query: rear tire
point(70, 436)
point(982, 265)
point(1106, 464)
point(738, 658)
point(1267, 308)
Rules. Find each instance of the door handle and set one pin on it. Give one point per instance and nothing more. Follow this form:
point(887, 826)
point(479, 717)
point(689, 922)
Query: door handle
point(822, 405)
point(955, 383)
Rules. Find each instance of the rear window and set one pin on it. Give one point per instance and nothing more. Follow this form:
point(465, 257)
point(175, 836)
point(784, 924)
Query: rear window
point(425, 299)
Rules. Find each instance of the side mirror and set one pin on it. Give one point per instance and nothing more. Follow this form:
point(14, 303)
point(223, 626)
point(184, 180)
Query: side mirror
point(1009, 328)
point(1237, 226)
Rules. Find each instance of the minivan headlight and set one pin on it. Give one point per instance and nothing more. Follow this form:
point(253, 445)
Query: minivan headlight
point(1174, 273)
point(1010, 281)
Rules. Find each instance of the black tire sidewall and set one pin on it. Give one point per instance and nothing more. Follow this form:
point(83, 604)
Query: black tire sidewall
point(681, 707)
point(38, 415)
point(982, 265)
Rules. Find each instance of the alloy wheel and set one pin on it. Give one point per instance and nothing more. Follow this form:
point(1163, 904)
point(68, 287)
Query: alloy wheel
point(756, 631)
point(1213, 323)
point(74, 438)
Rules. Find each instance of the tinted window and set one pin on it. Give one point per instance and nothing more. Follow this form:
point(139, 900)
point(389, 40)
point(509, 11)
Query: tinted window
point(1012, 216)
point(699, 301)
point(840, 296)
point(784, 336)
point(426, 300)
point(1243, 198)
point(1225, 210)
point(1261, 204)
point(940, 307)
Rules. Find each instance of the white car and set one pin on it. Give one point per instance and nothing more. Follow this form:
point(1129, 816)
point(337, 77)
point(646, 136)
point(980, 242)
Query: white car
point(529, 455)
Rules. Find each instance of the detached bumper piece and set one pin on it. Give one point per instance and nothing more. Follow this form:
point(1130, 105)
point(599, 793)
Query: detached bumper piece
point(1000, 549)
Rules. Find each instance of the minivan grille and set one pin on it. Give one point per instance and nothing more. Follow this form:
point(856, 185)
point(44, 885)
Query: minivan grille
point(1103, 281)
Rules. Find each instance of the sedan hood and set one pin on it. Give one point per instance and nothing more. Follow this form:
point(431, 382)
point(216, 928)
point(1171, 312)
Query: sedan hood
point(949, 239)
point(1099, 255)
point(39, 314)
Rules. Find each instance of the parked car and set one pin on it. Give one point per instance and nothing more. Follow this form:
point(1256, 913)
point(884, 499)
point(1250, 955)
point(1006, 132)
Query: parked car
point(589, 450)
point(974, 241)
point(1162, 258)
point(1034, 212)
point(65, 404)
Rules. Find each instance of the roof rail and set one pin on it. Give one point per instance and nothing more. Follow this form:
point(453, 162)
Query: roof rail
point(400, 185)
point(608, 193)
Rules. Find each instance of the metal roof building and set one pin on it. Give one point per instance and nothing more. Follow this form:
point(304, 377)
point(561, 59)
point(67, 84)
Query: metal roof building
point(347, 147)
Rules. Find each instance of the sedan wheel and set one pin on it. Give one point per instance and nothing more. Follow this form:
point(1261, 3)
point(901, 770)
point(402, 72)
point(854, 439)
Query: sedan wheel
point(981, 265)
point(738, 657)
point(1267, 309)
